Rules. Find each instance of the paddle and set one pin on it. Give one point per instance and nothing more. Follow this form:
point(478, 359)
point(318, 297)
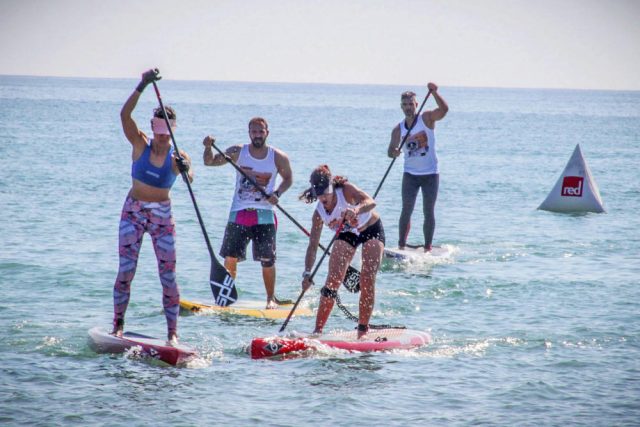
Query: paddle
point(351, 279)
point(222, 283)
point(313, 273)
point(415, 120)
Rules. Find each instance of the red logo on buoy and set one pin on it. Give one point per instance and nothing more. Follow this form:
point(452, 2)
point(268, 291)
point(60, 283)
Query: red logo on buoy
point(572, 186)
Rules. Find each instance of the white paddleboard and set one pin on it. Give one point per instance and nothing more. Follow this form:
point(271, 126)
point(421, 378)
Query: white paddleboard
point(436, 254)
point(103, 342)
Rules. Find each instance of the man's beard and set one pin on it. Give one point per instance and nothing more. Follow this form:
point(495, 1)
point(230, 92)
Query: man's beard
point(258, 142)
point(410, 114)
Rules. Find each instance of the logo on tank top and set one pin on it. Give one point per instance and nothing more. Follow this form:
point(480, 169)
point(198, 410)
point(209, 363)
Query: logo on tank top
point(418, 144)
point(572, 186)
point(247, 191)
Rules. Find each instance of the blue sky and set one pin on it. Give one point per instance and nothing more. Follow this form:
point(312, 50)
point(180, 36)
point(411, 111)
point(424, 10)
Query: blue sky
point(585, 44)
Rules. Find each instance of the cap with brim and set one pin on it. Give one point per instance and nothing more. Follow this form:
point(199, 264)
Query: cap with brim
point(323, 186)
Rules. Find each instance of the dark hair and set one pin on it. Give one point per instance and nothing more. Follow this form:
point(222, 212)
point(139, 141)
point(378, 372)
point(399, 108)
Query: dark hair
point(170, 112)
point(259, 121)
point(407, 95)
point(321, 177)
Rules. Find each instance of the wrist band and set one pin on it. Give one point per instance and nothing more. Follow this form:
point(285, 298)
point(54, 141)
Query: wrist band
point(141, 86)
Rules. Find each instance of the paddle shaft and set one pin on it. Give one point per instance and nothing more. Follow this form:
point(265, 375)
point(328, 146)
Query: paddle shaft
point(415, 120)
point(185, 176)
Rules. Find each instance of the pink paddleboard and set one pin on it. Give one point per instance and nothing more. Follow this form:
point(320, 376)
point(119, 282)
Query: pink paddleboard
point(375, 340)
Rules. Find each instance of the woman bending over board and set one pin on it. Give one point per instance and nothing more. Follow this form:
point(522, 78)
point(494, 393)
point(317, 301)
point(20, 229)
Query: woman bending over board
point(348, 211)
point(147, 208)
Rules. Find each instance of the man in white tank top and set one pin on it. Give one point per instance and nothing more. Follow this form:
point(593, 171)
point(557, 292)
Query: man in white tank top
point(420, 162)
point(251, 216)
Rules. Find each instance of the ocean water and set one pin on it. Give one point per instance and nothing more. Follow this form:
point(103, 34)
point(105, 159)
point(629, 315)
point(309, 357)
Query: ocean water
point(535, 318)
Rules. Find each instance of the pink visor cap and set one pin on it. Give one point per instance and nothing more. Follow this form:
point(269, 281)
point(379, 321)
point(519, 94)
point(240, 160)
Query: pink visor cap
point(159, 125)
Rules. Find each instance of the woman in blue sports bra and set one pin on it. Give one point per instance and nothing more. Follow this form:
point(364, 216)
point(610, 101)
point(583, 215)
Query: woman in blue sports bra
point(348, 211)
point(148, 209)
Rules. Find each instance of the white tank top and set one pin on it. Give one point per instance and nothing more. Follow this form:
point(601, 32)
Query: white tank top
point(334, 219)
point(419, 149)
point(263, 171)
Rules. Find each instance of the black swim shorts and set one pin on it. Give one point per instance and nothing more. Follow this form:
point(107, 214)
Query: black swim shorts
point(374, 231)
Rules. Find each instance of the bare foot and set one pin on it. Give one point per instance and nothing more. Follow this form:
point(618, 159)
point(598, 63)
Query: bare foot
point(118, 327)
point(172, 339)
point(362, 330)
point(427, 249)
point(271, 304)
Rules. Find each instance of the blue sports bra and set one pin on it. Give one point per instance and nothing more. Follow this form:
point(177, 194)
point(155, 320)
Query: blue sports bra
point(144, 171)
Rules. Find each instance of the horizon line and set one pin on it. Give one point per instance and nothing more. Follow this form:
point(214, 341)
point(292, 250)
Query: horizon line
point(325, 83)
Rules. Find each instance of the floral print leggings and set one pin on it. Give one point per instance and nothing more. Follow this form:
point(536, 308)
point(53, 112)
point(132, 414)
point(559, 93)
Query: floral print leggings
point(156, 219)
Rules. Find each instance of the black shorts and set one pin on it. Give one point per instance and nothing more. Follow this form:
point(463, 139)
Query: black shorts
point(374, 231)
point(236, 239)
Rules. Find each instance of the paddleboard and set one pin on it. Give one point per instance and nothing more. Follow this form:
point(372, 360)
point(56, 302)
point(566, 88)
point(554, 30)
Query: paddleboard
point(436, 254)
point(103, 342)
point(245, 308)
point(375, 340)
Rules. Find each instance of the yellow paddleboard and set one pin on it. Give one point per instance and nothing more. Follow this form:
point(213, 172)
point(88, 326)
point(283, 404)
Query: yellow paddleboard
point(245, 308)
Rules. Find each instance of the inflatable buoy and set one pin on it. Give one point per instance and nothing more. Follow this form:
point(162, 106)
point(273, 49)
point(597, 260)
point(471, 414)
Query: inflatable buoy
point(575, 190)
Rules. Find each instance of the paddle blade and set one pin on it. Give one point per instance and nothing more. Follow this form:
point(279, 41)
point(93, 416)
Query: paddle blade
point(222, 284)
point(274, 346)
point(352, 280)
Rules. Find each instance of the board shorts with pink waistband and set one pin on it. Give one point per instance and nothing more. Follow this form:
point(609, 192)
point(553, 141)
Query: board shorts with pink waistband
point(256, 225)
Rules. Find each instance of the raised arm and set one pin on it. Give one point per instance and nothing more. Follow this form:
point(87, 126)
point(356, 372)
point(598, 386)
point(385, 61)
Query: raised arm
point(432, 116)
point(218, 159)
point(134, 135)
